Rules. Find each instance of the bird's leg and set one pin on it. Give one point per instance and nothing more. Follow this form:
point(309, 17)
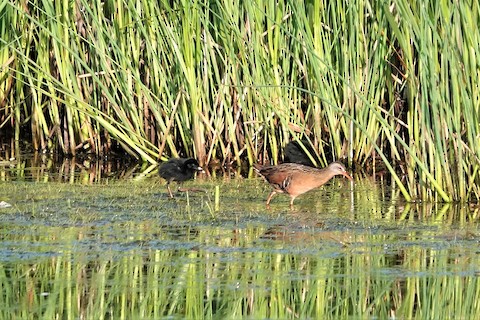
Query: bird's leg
point(169, 191)
point(181, 188)
point(291, 202)
point(270, 196)
point(192, 189)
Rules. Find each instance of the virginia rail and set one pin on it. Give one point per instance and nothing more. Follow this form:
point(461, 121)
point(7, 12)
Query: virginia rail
point(178, 169)
point(296, 179)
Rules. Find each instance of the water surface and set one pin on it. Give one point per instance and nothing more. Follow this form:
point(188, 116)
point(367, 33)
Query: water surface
point(77, 244)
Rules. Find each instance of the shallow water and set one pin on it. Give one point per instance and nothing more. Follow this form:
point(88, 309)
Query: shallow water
point(77, 244)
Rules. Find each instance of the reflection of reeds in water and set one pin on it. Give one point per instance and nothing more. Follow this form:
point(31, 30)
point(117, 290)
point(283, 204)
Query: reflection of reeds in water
point(229, 83)
point(214, 276)
point(49, 168)
point(76, 251)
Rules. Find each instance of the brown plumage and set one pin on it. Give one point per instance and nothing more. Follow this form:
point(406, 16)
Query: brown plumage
point(296, 179)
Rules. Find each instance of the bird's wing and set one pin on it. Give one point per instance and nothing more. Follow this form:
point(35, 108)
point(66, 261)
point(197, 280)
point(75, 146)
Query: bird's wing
point(279, 179)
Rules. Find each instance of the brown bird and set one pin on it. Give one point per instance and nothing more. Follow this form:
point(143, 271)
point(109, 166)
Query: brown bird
point(296, 179)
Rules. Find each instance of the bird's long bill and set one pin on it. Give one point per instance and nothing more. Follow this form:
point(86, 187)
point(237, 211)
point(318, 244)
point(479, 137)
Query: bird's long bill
point(200, 169)
point(347, 176)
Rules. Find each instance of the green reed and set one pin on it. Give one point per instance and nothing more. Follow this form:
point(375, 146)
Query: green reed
point(362, 81)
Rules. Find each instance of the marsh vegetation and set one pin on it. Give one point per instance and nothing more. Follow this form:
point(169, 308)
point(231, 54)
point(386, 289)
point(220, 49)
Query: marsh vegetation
point(391, 89)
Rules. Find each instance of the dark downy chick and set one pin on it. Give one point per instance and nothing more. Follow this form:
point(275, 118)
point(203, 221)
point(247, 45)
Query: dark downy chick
point(178, 169)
